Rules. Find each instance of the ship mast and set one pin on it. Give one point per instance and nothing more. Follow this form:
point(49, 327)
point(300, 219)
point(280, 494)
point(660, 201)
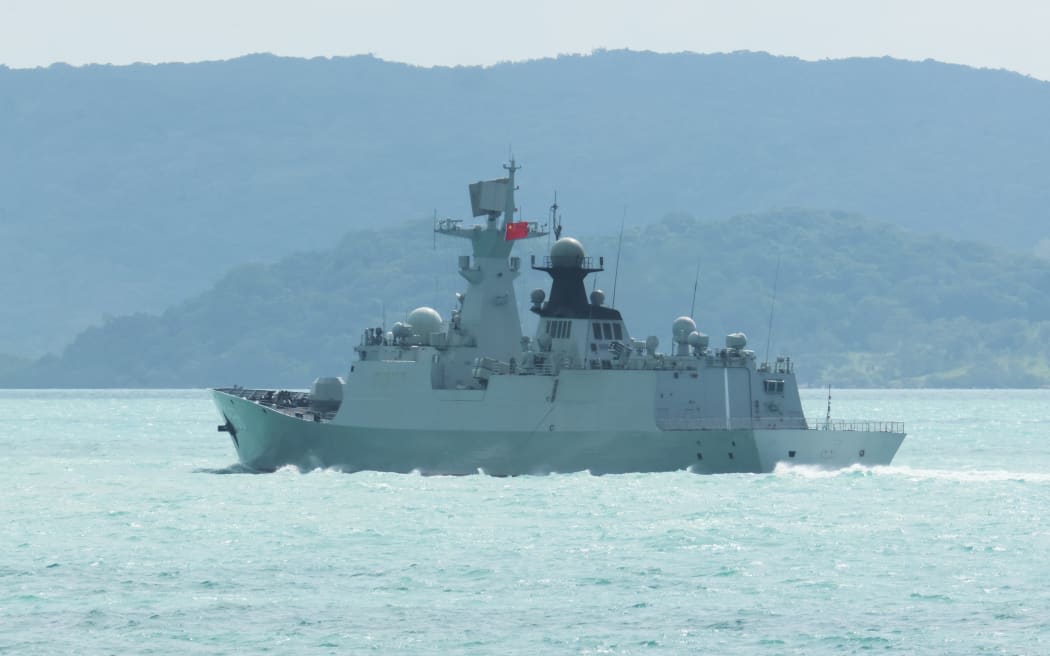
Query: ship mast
point(488, 315)
point(508, 208)
point(555, 220)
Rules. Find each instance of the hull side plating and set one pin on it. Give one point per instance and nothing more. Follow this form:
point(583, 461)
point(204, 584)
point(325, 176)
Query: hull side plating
point(266, 439)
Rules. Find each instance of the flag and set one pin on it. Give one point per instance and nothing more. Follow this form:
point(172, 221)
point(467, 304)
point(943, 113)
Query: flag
point(519, 230)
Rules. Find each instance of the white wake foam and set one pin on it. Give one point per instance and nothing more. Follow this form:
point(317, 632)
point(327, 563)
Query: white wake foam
point(913, 473)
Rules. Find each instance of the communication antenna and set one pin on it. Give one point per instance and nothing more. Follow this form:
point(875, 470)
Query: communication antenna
point(772, 305)
point(696, 283)
point(555, 220)
point(619, 249)
point(827, 418)
point(435, 231)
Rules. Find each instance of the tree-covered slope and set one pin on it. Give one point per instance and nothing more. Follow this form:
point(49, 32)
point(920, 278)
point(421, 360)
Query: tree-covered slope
point(858, 303)
point(128, 188)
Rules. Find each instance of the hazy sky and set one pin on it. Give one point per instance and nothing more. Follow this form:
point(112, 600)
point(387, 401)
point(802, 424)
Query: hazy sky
point(1010, 34)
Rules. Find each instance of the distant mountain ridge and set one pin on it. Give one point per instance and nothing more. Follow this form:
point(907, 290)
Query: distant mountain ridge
point(130, 188)
point(858, 303)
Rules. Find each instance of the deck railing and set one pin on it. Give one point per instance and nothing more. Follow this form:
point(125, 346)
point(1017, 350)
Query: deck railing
point(859, 425)
point(771, 423)
point(582, 262)
point(276, 398)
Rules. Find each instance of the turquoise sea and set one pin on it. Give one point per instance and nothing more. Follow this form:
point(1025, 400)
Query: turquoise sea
point(126, 529)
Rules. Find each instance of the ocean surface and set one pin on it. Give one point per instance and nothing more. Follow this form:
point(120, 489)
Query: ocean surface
point(128, 529)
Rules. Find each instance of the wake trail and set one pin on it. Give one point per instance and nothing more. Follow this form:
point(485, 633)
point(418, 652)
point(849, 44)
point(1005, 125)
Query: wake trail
point(914, 473)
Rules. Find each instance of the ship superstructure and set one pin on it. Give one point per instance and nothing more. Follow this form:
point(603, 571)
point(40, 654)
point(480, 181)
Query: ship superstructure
point(473, 394)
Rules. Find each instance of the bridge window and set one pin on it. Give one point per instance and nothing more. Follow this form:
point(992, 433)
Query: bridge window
point(607, 331)
point(774, 386)
point(559, 329)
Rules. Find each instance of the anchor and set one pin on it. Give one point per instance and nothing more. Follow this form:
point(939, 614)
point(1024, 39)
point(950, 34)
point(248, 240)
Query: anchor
point(228, 427)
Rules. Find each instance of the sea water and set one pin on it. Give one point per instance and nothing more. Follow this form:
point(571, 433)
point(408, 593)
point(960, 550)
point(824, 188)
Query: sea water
point(127, 529)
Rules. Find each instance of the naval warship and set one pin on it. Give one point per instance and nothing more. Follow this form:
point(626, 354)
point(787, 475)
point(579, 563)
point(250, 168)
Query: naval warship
point(473, 394)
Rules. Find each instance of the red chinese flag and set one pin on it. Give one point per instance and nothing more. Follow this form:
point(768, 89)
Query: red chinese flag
point(519, 230)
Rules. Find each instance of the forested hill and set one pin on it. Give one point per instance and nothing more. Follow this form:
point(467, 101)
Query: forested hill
point(129, 188)
point(858, 304)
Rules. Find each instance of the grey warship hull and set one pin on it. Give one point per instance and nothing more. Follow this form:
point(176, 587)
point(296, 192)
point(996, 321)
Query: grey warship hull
point(267, 438)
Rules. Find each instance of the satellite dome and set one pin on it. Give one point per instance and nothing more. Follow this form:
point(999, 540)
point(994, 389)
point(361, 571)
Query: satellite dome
point(681, 328)
point(736, 340)
point(423, 321)
point(597, 297)
point(698, 340)
point(567, 252)
point(537, 296)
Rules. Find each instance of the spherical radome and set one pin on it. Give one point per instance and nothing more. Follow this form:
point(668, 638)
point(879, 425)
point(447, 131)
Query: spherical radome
point(681, 328)
point(424, 321)
point(567, 252)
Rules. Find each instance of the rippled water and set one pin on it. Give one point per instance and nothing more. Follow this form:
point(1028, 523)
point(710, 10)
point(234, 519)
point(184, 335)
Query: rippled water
point(121, 535)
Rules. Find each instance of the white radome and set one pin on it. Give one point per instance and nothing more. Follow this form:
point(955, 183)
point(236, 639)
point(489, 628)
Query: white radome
point(425, 321)
point(567, 252)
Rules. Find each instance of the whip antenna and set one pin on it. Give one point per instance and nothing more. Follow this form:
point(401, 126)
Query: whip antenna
point(827, 418)
point(696, 283)
point(772, 306)
point(619, 249)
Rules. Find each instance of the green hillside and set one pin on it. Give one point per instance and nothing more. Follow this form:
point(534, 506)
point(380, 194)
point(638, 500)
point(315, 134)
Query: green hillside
point(859, 303)
point(132, 188)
